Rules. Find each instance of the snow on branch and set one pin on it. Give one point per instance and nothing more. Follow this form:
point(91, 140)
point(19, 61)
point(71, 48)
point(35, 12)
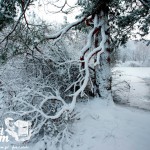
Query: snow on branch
point(63, 31)
point(38, 107)
point(98, 50)
point(145, 3)
point(86, 77)
point(44, 103)
point(90, 36)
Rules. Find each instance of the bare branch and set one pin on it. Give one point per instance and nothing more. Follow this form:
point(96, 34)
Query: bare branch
point(22, 14)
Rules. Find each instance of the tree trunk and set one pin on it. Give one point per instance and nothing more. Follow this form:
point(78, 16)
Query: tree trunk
point(102, 71)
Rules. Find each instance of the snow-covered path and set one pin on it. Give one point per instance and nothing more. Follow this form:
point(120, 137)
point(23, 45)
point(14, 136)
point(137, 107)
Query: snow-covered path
point(139, 80)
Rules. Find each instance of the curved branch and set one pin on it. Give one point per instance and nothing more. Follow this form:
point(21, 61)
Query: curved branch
point(63, 31)
point(25, 8)
point(146, 4)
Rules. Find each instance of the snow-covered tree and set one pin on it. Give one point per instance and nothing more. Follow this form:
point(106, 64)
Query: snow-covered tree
point(36, 84)
point(111, 23)
point(135, 50)
point(9, 9)
point(108, 23)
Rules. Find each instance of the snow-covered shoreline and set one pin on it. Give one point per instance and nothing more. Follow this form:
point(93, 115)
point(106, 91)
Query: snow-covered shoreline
point(139, 94)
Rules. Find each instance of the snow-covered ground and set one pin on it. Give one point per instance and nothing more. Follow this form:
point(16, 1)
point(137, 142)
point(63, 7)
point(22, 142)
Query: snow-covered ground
point(106, 127)
point(139, 80)
point(101, 125)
